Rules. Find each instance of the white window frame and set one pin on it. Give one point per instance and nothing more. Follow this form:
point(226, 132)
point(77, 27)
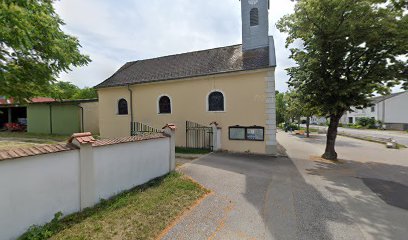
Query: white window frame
point(207, 100)
point(158, 104)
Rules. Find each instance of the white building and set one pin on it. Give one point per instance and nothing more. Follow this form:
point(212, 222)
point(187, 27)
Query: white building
point(391, 110)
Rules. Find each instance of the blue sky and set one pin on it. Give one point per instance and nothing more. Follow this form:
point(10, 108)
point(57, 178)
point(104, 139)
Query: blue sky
point(114, 32)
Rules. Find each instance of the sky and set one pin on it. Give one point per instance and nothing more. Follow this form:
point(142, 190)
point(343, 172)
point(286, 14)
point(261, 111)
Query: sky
point(114, 32)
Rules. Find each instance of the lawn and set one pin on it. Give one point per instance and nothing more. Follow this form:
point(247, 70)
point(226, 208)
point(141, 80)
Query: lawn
point(142, 213)
point(36, 136)
point(12, 140)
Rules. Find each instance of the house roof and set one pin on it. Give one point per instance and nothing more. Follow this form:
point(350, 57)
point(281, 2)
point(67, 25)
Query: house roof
point(193, 64)
point(76, 101)
point(379, 99)
point(10, 101)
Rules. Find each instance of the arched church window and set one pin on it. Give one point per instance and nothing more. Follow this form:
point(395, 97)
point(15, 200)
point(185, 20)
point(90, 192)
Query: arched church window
point(122, 107)
point(216, 102)
point(254, 17)
point(164, 105)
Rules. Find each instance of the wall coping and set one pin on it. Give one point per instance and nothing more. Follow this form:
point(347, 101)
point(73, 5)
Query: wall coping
point(138, 138)
point(37, 150)
point(80, 137)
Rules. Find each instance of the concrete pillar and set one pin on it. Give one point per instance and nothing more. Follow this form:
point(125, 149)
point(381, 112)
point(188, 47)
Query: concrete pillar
point(9, 117)
point(86, 169)
point(216, 136)
point(170, 130)
point(270, 111)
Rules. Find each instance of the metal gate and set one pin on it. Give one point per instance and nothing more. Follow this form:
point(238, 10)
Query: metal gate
point(199, 136)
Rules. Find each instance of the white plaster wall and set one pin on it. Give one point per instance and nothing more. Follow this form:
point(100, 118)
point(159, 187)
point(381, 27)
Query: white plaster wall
point(359, 113)
point(33, 189)
point(396, 109)
point(123, 166)
point(91, 117)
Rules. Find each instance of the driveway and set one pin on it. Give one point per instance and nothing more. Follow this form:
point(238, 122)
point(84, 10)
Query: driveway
point(259, 197)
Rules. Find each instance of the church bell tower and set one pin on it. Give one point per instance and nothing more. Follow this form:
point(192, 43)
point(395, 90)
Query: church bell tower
point(254, 24)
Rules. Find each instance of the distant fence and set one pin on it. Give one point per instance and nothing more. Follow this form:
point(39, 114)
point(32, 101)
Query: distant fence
point(38, 182)
point(137, 128)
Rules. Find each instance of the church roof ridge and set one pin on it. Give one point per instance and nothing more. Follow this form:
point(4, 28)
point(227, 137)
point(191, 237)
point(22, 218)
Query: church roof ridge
point(190, 64)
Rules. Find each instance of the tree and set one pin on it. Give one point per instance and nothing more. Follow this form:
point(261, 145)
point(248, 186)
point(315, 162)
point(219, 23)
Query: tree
point(345, 51)
point(33, 48)
point(68, 91)
point(63, 90)
point(280, 107)
point(298, 106)
point(86, 93)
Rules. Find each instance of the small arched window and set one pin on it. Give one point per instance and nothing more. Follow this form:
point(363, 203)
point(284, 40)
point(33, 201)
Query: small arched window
point(254, 17)
point(122, 107)
point(164, 105)
point(215, 102)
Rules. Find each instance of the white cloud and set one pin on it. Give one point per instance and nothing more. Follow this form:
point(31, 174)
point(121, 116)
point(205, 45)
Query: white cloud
point(114, 32)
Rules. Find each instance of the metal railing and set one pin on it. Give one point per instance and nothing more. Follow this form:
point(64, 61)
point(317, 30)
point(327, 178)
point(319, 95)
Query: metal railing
point(137, 128)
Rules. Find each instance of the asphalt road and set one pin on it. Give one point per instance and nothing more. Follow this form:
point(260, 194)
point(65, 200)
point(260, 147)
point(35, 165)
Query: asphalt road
point(399, 136)
point(259, 197)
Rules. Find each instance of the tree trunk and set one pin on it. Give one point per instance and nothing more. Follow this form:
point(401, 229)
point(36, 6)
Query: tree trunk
point(330, 152)
point(308, 127)
point(299, 123)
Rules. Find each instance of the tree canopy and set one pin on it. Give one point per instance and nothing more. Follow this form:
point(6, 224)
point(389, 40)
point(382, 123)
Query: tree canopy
point(346, 50)
point(33, 48)
point(68, 91)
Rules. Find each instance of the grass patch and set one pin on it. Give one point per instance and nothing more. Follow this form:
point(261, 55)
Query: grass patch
point(399, 146)
point(370, 139)
point(58, 138)
point(8, 145)
point(141, 213)
point(312, 130)
point(191, 150)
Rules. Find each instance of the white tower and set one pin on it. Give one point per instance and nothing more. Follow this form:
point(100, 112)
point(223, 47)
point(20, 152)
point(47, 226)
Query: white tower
point(254, 24)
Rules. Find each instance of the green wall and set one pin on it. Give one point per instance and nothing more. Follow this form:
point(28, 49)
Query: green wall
point(38, 118)
point(65, 118)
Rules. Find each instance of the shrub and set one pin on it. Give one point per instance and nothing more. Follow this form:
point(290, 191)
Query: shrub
point(367, 122)
point(292, 126)
point(43, 232)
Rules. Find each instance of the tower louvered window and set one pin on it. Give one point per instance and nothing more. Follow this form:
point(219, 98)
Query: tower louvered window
point(254, 17)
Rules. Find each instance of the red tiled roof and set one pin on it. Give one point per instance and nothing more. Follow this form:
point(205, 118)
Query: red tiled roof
point(105, 142)
point(4, 101)
point(82, 138)
point(172, 126)
point(39, 150)
point(42, 100)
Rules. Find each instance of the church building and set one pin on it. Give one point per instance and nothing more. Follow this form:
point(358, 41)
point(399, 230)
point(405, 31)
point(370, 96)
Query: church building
point(228, 92)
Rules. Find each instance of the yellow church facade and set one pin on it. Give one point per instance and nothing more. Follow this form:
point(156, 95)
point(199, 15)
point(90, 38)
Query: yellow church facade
point(230, 91)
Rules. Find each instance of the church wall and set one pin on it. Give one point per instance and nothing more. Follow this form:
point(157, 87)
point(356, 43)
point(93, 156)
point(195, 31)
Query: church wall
point(245, 104)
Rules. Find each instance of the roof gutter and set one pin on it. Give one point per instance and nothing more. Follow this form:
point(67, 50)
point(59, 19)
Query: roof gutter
point(131, 103)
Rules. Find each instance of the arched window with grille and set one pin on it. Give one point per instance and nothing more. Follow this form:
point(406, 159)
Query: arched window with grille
point(216, 102)
point(122, 107)
point(164, 105)
point(254, 17)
